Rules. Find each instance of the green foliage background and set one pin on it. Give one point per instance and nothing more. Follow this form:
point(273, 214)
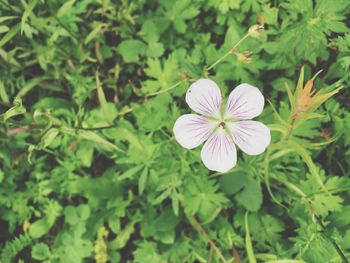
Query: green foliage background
point(71, 191)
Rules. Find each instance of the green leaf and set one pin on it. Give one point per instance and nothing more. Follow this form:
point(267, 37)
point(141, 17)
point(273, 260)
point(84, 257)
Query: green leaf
point(290, 96)
point(29, 8)
point(93, 137)
point(124, 236)
point(300, 84)
point(131, 50)
point(49, 137)
point(10, 34)
point(130, 173)
point(225, 5)
point(29, 86)
point(5, 18)
point(162, 196)
point(142, 180)
point(162, 75)
point(175, 202)
point(202, 197)
point(285, 261)
point(309, 162)
point(85, 154)
point(341, 218)
point(40, 251)
point(65, 8)
point(74, 215)
point(179, 12)
point(3, 94)
point(149, 32)
point(40, 228)
point(4, 29)
point(147, 252)
point(95, 32)
point(231, 183)
point(132, 139)
point(155, 50)
point(17, 109)
point(251, 196)
point(103, 102)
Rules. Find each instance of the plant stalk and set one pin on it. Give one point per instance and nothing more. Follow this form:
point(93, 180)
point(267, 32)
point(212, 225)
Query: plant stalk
point(231, 51)
point(194, 222)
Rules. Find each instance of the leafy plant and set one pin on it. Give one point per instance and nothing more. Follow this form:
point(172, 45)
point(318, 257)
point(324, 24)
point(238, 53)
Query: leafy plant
point(90, 170)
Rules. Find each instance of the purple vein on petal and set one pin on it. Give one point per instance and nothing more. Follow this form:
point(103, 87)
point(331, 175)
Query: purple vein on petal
point(227, 144)
point(203, 108)
point(241, 136)
point(233, 103)
point(211, 106)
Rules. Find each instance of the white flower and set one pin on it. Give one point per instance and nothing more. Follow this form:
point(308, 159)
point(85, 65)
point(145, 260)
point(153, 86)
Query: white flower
point(222, 127)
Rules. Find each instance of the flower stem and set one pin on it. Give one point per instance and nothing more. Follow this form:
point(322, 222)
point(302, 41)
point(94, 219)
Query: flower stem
point(232, 50)
point(309, 205)
point(194, 222)
point(43, 126)
point(219, 60)
point(165, 90)
point(290, 130)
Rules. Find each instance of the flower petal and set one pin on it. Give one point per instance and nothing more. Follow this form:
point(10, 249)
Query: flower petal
point(191, 130)
point(204, 97)
point(219, 152)
point(245, 102)
point(251, 136)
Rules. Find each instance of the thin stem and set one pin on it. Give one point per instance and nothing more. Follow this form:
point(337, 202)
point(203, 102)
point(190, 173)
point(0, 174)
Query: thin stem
point(219, 60)
point(319, 221)
point(40, 126)
point(333, 190)
point(334, 243)
point(202, 232)
point(96, 128)
point(165, 90)
point(308, 204)
point(290, 130)
point(232, 50)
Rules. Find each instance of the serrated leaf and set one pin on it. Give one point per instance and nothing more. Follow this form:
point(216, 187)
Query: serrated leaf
point(251, 196)
point(131, 50)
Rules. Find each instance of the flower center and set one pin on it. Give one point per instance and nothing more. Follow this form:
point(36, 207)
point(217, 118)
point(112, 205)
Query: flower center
point(222, 125)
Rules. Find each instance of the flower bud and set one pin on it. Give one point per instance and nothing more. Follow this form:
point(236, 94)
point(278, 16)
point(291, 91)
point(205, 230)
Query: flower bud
point(241, 57)
point(247, 54)
point(254, 31)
